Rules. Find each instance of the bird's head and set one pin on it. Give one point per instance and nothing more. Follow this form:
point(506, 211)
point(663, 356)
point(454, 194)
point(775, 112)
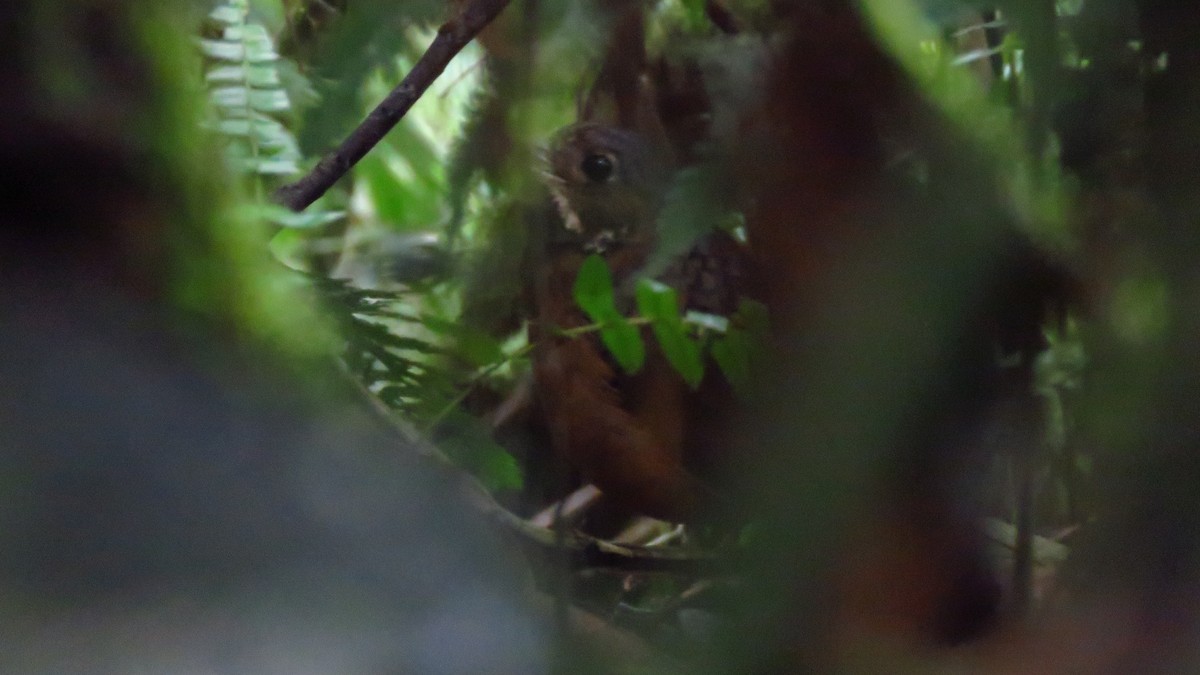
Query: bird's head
point(607, 183)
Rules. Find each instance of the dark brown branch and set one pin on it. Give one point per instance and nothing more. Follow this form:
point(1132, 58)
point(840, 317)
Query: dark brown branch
point(451, 38)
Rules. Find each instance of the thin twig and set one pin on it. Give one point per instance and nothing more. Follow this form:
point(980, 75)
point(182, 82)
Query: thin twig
point(451, 38)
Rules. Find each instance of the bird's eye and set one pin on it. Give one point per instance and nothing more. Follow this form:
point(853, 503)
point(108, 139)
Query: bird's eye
point(598, 168)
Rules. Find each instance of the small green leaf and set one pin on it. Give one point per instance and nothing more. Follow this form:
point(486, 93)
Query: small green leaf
point(274, 167)
point(735, 352)
point(594, 289)
point(624, 340)
point(269, 100)
point(659, 303)
point(259, 47)
point(305, 220)
point(221, 50)
point(594, 294)
point(263, 76)
point(234, 33)
point(285, 217)
point(226, 74)
point(230, 97)
point(228, 15)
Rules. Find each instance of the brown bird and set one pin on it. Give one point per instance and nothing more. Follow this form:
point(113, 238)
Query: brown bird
point(628, 434)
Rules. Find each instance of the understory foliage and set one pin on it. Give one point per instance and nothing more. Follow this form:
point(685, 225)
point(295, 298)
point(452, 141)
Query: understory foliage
point(431, 195)
point(1035, 122)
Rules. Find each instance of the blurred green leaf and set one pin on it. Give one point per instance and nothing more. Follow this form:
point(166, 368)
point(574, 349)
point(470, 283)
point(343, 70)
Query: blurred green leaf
point(467, 442)
point(405, 180)
point(624, 341)
point(747, 332)
point(697, 203)
point(594, 289)
point(361, 43)
point(658, 302)
point(479, 348)
point(223, 51)
point(594, 295)
point(388, 195)
point(269, 100)
point(228, 14)
point(285, 217)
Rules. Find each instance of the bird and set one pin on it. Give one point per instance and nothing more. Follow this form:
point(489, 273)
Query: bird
point(629, 434)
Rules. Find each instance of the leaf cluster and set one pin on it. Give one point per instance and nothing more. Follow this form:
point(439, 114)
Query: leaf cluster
point(683, 337)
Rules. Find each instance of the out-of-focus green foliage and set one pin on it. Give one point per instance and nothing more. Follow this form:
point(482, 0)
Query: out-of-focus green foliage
point(394, 348)
point(1001, 133)
point(436, 219)
point(697, 203)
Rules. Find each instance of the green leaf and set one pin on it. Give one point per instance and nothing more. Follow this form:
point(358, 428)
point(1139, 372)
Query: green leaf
point(697, 202)
point(222, 50)
point(258, 76)
point(404, 180)
point(594, 289)
point(230, 97)
point(305, 220)
point(388, 195)
point(269, 100)
point(624, 340)
point(259, 47)
point(226, 75)
point(235, 33)
point(274, 167)
point(746, 334)
point(228, 15)
point(594, 295)
point(658, 302)
point(263, 76)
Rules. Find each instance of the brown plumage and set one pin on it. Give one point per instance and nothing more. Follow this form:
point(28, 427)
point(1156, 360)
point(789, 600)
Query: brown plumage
point(628, 434)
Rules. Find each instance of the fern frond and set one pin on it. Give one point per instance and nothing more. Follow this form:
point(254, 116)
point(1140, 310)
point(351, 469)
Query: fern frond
point(247, 93)
point(417, 376)
point(386, 358)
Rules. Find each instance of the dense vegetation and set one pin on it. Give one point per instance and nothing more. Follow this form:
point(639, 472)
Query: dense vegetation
point(892, 303)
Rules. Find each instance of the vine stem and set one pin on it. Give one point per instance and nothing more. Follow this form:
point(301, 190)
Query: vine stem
point(473, 16)
point(596, 327)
